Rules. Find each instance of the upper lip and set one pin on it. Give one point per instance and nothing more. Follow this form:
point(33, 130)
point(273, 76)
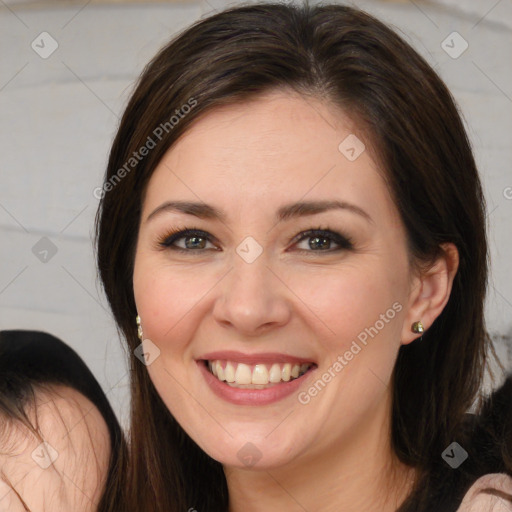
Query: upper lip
point(262, 357)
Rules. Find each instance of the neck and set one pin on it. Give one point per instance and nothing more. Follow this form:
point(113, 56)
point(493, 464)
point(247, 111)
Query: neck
point(361, 474)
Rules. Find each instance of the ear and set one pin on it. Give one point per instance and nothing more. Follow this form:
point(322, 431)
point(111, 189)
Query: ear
point(430, 291)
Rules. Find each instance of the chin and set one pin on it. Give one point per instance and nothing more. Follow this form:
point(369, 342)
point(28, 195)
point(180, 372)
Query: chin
point(255, 451)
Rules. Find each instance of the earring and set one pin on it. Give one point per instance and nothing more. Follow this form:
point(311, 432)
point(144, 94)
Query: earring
point(139, 328)
point(417, 327)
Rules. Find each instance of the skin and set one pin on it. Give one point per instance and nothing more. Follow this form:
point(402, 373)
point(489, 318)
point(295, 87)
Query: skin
point(76, 430)
point(248, 160)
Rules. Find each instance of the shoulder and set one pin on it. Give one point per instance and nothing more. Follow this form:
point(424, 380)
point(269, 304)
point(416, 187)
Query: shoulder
point(63, 463)
point(489, 435)
point(488, 469)
point(482, 481)
point(491, 492)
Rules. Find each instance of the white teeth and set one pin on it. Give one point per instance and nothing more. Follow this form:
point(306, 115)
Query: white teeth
point(275, 373)
point(257, 376)
point(243, 374)
point(285, 374)
point(229, 372)
point(220, 371)
point(260, 374)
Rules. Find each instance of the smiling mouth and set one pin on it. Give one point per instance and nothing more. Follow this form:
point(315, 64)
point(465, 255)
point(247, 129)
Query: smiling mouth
point(256, 376)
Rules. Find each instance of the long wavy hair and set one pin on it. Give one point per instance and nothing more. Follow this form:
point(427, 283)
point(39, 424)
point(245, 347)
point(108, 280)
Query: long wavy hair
point(347, 57)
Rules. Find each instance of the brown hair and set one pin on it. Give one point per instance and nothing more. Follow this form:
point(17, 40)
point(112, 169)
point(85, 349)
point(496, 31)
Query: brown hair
point(352, 60)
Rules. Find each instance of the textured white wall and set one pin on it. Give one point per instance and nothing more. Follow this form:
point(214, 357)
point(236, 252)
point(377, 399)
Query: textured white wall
point(59, 114)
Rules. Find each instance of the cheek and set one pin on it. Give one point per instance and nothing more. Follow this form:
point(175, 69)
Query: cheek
point(358, 325)
point(339, 305)
point(168, 301)
point(355, 302)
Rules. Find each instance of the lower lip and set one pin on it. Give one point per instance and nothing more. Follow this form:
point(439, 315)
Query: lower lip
point(240, 396)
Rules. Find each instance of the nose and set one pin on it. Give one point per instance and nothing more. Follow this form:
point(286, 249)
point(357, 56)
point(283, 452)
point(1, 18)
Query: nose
point(252, 299)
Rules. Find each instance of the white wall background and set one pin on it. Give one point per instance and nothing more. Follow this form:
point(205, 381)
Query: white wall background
point(59, 115)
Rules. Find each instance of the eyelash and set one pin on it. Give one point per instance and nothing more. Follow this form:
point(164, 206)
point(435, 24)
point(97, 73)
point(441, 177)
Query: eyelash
point(344, 242)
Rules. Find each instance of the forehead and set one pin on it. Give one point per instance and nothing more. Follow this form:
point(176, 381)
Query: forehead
point(279, 147)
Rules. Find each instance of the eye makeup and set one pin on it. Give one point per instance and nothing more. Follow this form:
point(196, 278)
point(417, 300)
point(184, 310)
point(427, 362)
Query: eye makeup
point(169, 239)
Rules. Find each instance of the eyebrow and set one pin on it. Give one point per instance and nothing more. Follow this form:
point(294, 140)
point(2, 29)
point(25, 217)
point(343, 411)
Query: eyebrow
point(285, 212)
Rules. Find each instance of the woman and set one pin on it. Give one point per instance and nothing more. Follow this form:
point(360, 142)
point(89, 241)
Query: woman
point(318, 350)
point(61, 446)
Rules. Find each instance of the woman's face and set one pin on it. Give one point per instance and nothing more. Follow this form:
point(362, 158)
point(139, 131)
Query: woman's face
point(262, 299)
